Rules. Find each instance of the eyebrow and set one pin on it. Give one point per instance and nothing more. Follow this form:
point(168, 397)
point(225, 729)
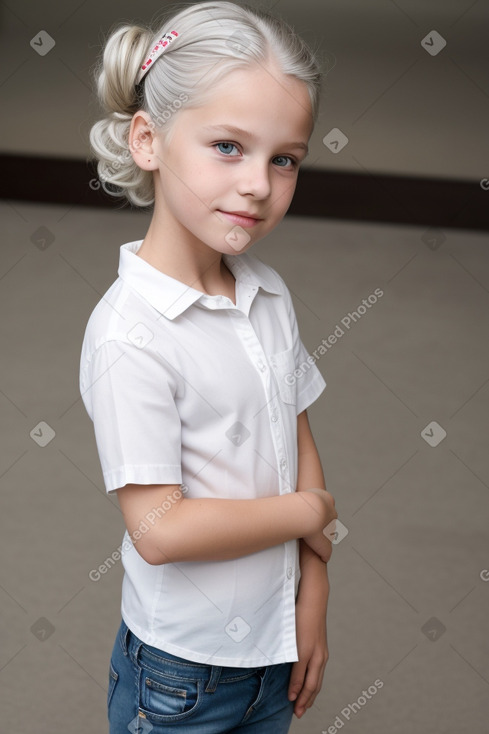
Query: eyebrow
point(245, 134)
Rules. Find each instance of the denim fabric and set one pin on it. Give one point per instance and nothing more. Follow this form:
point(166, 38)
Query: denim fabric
point(153, 691)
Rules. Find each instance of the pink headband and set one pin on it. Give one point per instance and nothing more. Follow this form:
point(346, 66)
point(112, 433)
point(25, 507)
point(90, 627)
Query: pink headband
point(160, 48)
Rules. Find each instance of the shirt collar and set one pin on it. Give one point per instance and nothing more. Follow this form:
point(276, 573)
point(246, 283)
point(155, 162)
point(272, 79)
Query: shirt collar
point(170, 296)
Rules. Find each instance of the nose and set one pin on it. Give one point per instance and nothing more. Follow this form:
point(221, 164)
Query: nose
point(254, 179)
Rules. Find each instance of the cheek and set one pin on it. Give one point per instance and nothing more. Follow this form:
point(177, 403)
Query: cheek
point(206, 172)
point(200, 177)
point(186, 185)
point(285, 190)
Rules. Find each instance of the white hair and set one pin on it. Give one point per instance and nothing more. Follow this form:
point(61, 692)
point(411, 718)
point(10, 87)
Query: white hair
point(214, 38)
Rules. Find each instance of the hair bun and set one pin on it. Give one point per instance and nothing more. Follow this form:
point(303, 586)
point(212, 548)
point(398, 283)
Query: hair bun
point(116, 73)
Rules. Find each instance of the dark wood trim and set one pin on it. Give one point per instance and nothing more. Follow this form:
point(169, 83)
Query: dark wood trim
point(426, 202)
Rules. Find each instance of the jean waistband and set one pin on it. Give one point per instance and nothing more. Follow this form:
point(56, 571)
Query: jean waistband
point(140, 651)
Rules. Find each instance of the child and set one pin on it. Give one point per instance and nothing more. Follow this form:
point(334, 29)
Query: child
point(196, 379)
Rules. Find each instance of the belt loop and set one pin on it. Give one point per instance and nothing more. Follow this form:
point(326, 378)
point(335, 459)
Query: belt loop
point(214, 679)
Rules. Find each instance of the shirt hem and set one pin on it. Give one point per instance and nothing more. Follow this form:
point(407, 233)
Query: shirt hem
point(140, 474)
point(204, 658)
point(311, 393)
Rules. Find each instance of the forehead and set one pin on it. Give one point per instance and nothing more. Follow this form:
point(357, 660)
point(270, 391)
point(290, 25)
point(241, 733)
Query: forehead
point(259, 97)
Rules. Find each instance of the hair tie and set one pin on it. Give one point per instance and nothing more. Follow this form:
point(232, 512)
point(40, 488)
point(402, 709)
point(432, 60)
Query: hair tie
point(162, 46)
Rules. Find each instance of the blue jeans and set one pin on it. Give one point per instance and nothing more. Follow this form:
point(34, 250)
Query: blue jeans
point(153, 691)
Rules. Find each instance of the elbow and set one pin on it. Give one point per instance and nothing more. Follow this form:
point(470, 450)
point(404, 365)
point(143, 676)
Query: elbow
point(162, 542)
point(156, 558)
point(155, 551)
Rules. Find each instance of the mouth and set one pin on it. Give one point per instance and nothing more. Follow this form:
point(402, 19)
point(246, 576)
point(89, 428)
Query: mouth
point(242, 218)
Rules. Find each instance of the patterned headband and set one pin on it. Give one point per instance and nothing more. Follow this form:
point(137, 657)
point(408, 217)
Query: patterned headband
point(160, 48)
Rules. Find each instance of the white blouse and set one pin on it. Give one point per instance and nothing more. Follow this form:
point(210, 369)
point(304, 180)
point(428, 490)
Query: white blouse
point(187, 388)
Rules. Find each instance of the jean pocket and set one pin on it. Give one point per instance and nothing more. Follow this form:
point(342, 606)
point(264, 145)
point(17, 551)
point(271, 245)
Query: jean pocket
point(113, 678)
point(283, 366)
point(165, 698)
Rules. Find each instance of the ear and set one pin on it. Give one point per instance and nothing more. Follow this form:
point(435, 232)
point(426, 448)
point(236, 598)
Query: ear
point(142, 141)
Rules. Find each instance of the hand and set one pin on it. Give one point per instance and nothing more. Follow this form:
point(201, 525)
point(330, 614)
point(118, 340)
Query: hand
point(318, 542)
point(328, 498)
point(307, 673)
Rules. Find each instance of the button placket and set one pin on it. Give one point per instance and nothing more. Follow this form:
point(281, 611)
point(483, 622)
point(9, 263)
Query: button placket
point(252, 344)
point(250, 292)
point(253, 348)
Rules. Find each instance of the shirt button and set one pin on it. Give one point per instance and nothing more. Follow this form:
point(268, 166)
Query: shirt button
point(261, 366)
point(283, 464)
point(274, 418)
point(289, 572)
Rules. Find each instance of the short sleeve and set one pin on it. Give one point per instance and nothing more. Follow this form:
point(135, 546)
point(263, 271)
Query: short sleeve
point(129, 393)
point(310, 382)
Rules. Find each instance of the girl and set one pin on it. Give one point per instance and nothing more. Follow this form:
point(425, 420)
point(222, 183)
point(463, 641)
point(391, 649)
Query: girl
point(197, 382)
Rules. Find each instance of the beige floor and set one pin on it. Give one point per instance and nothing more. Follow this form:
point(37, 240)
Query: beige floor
point(416, 514)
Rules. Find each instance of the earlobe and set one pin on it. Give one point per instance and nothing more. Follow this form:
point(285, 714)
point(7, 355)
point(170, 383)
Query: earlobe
point(141, 141)
point(140, 156)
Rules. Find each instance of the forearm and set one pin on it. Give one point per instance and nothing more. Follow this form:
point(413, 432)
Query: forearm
point(310, 474)
point(213, 529)
point(311, 634)
point(314, 582)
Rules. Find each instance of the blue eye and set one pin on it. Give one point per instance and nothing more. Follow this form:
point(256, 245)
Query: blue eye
point(285, 158)
point(227, 147)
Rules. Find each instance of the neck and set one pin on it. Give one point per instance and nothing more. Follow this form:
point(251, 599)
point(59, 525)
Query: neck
point(178, 253)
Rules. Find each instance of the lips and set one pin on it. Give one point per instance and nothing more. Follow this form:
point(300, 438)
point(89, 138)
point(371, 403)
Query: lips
point(244, 219)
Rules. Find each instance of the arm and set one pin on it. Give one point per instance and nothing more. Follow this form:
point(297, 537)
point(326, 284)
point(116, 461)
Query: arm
point(310, 474)
point(209, 529)
point(312, 598)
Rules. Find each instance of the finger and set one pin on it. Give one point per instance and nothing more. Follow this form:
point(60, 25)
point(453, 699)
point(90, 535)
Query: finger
point(296, 679)
point(305, 699)
point(311, 686)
